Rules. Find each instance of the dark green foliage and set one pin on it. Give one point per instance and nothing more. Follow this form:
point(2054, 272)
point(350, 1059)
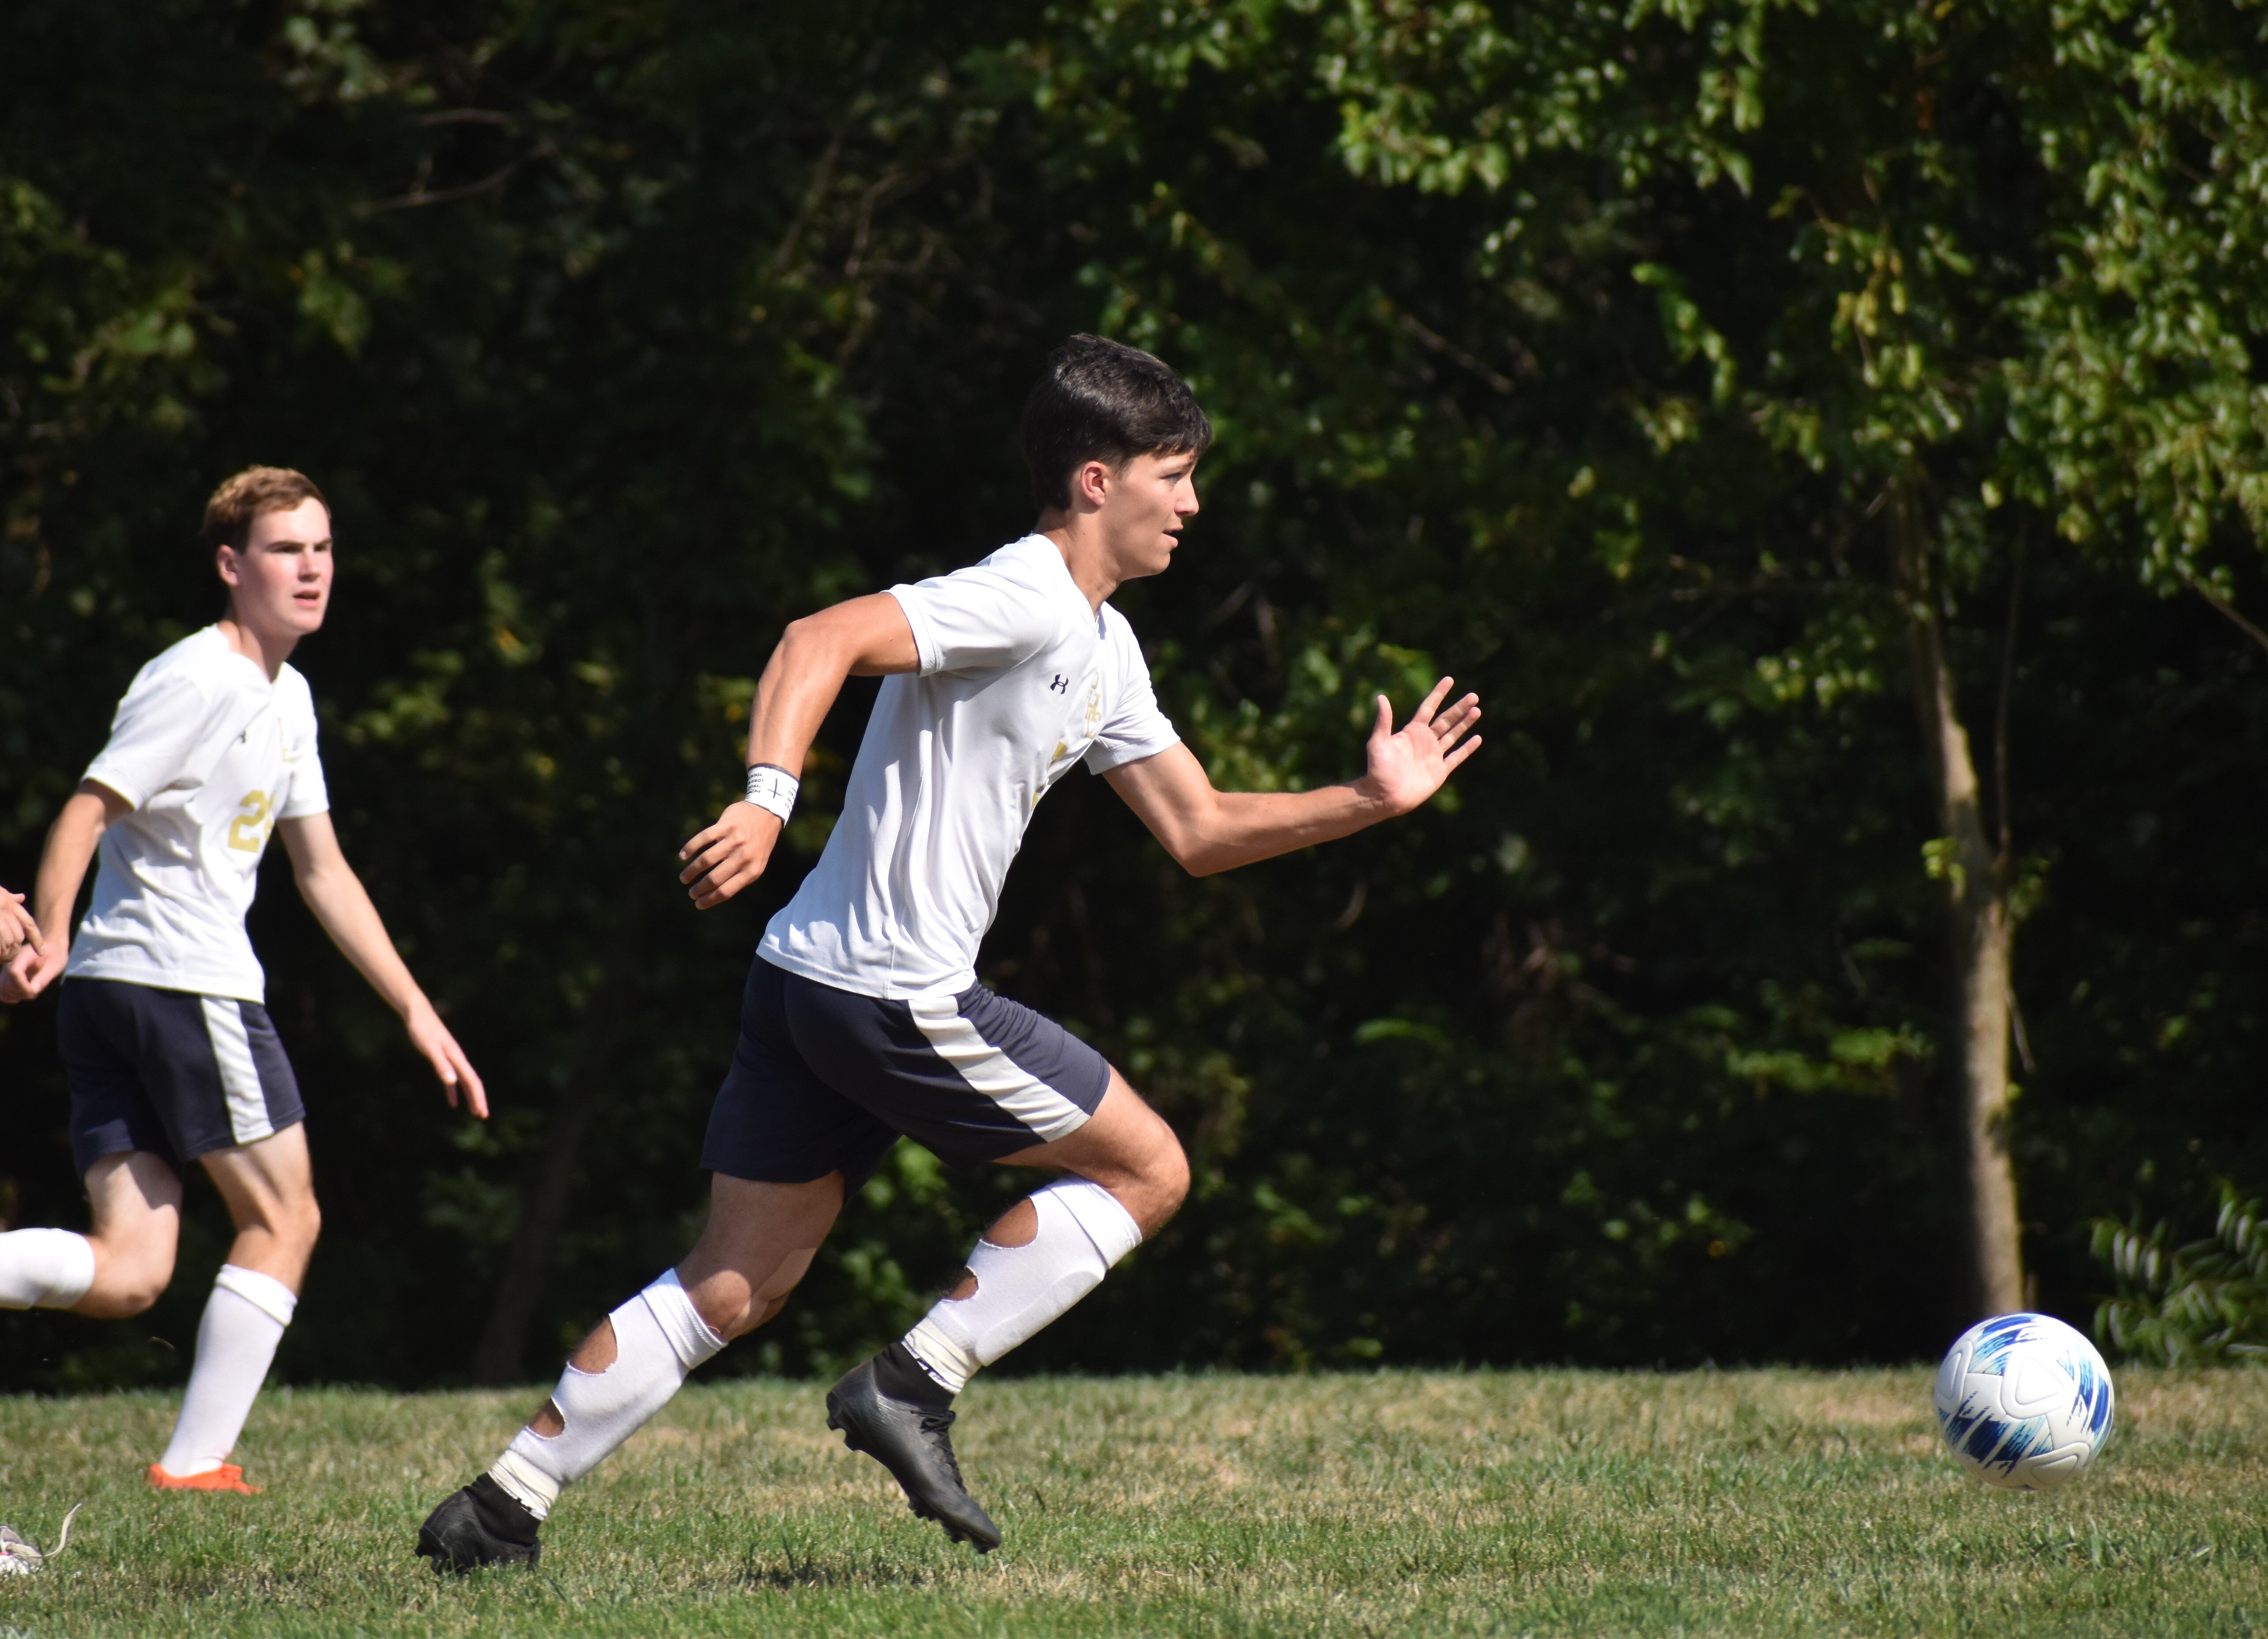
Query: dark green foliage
point(2201, 1303)
point(1566, 351)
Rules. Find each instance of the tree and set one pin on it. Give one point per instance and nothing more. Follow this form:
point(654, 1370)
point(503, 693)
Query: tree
point(1965, 257)
point(1603, 360)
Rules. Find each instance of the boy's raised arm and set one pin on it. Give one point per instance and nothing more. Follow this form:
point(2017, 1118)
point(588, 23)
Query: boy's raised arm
point(1208, 830)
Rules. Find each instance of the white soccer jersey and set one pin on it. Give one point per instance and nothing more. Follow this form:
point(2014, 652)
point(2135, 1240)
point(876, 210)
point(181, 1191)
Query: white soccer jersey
point(1019, 679)
point(211, 755)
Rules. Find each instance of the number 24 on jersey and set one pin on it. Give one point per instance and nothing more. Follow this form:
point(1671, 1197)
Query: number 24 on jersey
point(248, 830)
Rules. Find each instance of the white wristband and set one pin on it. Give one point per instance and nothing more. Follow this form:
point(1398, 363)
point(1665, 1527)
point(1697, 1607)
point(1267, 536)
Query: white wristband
point(773, 790)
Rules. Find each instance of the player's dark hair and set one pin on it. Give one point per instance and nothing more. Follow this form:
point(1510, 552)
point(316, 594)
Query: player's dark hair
point(1099, 400)
point(254, 490)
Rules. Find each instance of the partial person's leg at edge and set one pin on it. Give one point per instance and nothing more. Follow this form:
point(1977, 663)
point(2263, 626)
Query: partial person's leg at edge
point(758, 1243)
point(121, 1265)
point(45, 1268)
point(268, 1186)
point(1043, 1255)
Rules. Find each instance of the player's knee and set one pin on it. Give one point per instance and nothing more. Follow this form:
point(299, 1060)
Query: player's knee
point(124, 1301)
point(729, 1313)
point(1176, 1180)
point(121, 1303)
point(302, 1224)
point(734, 1302)
point(1164, 1185)
point(125, 1287)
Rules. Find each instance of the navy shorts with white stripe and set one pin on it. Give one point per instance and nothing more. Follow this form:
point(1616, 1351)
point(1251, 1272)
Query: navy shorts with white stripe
point(825, 1080)
point(169, 1072)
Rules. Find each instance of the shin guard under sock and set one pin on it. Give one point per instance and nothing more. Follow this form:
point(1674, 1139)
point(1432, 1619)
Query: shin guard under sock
point(44, 1268)
point(660, 1336)
point(1082, 1232)
point(244, 1321)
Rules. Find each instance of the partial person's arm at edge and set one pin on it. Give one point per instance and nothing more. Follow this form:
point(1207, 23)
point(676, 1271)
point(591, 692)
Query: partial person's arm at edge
point(866, 637)
point(91, 810)
point(1209, 831)
point(343, 905)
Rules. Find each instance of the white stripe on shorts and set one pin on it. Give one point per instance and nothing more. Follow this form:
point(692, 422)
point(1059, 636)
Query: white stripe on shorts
point(1046, 1112)
point(239, 1077)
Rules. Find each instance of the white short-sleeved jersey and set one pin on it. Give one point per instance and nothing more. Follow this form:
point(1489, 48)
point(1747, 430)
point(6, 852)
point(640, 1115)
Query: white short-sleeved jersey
point(1019, 679)
point(211, 755)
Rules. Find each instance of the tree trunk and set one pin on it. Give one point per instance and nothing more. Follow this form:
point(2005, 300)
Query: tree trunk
point(1976, 875)
point(545, 1196)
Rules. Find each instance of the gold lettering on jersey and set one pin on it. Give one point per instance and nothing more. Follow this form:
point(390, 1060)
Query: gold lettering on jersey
point(248, 830)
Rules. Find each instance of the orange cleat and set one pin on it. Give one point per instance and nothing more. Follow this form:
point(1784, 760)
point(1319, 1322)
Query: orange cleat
point(227, 1477)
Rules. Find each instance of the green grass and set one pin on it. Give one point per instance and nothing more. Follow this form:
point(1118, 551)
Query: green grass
point(1489, 1503)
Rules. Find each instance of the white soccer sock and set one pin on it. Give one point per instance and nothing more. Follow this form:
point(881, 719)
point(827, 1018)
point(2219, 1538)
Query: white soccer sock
point(1083, 1231)
point(44, 1268)
point(244, 1321)
point(660, 1336)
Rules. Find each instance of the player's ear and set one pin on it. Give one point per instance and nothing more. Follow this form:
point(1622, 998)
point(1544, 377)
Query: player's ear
point(226, 566)
point(1093, 482)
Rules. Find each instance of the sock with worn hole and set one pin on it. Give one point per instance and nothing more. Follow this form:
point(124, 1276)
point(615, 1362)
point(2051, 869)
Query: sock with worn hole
point(244, 1321)
point(1083, 1231)
point(44, 1268)
point(659, 1338)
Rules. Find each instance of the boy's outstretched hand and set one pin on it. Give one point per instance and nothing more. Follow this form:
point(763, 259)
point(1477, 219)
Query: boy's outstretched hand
point(1407, 767)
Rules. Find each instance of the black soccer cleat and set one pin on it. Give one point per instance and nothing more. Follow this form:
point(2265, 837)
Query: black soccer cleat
point(478, 1525)
point(915, 1443)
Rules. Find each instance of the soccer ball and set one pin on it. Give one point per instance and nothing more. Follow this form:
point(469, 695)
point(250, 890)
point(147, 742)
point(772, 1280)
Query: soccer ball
point(2023, 1401)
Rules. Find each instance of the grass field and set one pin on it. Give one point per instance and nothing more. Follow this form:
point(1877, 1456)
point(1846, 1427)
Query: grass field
point(1547, 1502)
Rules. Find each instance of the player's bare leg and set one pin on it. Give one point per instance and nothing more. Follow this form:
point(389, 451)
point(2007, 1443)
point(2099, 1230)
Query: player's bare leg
point(269, 1188)
point(118, 1268)
point(1126, 1148)
point(759, 1242)
point(1127, 1175)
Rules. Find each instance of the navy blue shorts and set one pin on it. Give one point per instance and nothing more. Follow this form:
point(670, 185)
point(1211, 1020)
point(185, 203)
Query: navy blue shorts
point(169, 1072)
point(825, 1080)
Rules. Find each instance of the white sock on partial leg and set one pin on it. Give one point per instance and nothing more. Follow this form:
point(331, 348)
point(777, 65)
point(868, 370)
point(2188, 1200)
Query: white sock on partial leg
point(244, 1321)
point(44, 1268)
point(659, 1338)
point(1083, 1231)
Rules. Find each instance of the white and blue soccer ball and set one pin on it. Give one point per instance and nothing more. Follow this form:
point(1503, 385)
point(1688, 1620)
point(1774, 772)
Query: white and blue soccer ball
point(2023, 1402)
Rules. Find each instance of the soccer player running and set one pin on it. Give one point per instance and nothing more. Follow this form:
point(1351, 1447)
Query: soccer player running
point(863, 1019)
point(168, 1050)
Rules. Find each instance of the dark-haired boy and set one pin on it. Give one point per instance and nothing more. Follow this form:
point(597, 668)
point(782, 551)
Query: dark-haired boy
point(166, 1042)
point(863, 1019)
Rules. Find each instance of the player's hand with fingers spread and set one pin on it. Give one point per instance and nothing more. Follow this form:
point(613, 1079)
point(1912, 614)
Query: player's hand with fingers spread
point(730, 854)
point(431, 1037)
point(1407, 767)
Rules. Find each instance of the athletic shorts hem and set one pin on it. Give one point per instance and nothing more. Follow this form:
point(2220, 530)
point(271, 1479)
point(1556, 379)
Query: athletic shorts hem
point(174, 1074)
point(106, 1145)
point(825, 1080)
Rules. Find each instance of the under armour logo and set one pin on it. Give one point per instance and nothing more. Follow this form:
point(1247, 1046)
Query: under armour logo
point(1061, 684)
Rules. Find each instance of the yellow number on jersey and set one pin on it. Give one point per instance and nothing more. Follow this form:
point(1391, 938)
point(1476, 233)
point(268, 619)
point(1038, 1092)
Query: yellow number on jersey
point(248, 830)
